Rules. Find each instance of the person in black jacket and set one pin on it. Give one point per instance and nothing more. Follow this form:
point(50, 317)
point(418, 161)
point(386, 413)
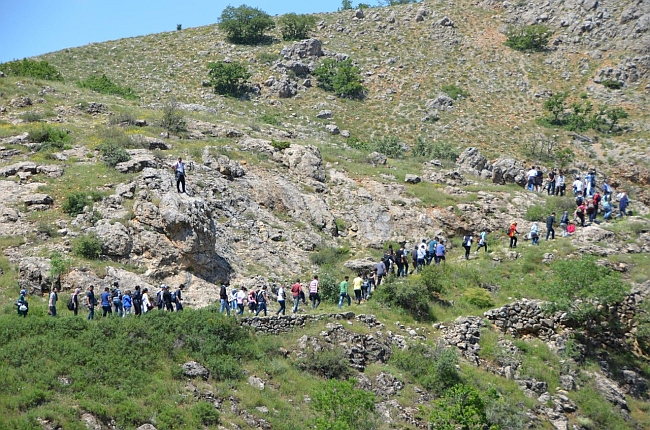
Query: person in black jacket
point(137, 300)
point(549, 226)
point(223, 297)
point(167, 299)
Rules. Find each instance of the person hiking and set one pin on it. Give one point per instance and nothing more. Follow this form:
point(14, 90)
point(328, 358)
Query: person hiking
point(22, 305)
point(399, 260)
point(381, 272)
point(482, 242)
point(116, 298)
point(146, 301)
point(281, 296)
point(343, 292)
point(105, 298)
point(261, 301)
point(607, 207)
point(564, 223)
point(167, 299)
point(623, 201)
point(539, 180)
point(127, 303)
point(431, 249)
point(223, 299)
point(596, 199)
point(52, 302)
point(296, 289)
point(313, 293)
point(365, 286)
point(512, 233)
point(579, 214)
point(356, 287)
point(137, 301)
point(389, 260)
point(534, 233)
point(252, 301)
point(550, 221)
point(577, 186)
point(467, 244)
point(607, 190)
point(179, 169)
point(75, 301)
point(440, 252)
point(91, 302)
point(550, 189)
point(530, 178)
point(422, 255)
point(241, 296)
point(177, 297)
point(405, 260)
point(560, 184)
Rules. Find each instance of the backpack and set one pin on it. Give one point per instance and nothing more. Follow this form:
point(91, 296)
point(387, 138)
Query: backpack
point(70, 304)
point(578, 201)
point(117, 296)
point(137, 297)
point(260, 297)
point(590, 206)
point(465, 240)
point(173, 293)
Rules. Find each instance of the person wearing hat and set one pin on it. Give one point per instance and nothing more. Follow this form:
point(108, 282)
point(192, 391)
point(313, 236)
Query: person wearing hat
point(21, 303)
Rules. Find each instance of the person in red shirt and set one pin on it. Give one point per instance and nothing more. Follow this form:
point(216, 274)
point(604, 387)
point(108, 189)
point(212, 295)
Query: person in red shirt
point(295, 292)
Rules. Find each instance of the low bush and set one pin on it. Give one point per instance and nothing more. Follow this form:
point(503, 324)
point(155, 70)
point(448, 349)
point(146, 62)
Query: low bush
point(269, 119)
point(341, 77)
point(454, 91)
point(412, 296)
point(88, 246)
point(329, 363)
point(267, 57)
point(50, 137)
point(32, 116)
point(460, 407)
point(103, 85)
point(280, 145)
point(342, 406)
point(113, 153)
point(31, 69)
point(612, 84)
point(123, 119)
point(329, 256)
point(434, 369)
point(528, 38)
point(390, 146)
point(478, 297)
point(444, 151)
point(205, 414)
point(296, 27)
point(228, 79)
point(172, 120)
point(75, 202)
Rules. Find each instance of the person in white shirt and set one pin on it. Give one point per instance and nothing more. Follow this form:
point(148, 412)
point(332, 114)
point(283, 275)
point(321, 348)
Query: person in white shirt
point(577, 186)
point(530, 178)
point(179, 168)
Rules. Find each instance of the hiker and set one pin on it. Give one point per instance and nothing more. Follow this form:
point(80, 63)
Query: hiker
point(241, 296)
point(405, 260)
point(232, 299)
point(252, 301)
point(356, 287)
point(623, 201)
point(313, 293)
point(389, 260)
point(580, 214)
point(75, 301)
point(431, 250)
point(530, 178)
point(146, 301)
point(577, 186)
point(534, 233)
point(607, 190)
point(467, 244)
point(296, 289)
point(343, 292)
point(223, 298)
point(440, 252)
point(549, 226)
point(422, 255)
point(560, 184)
point(399, 260)
point(167, 299)
point(179, 168)
point(159, 302)
point(550, 188)
point(137, 301)
point(116, 296)
point(381, 272)
point(177, 298)
point(21, 304)
point(564, 223)
point(261, 301)
point(281, 296)
point(482, 242)
point(365, 287)
point(539, 180)
point(91, 302)
point(607, 207)
point(127, 303)
point(105, 298)
point(52, 302)
point(596, 200)
point(512, 233)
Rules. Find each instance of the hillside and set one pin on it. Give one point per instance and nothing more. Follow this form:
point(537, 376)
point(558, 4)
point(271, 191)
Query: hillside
point(289, 180)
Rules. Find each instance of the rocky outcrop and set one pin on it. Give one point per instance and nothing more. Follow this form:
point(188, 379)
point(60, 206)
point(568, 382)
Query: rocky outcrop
point(34, 275)
point(116, 239)
point(472, 162)
point(302, 161)
point(192, 369)
point(508, 171)
point(140, 159)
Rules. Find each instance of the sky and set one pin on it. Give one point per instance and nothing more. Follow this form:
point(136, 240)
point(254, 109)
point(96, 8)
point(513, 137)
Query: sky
point(35, 27)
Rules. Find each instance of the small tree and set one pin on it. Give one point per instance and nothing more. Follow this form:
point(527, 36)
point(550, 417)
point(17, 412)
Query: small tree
point(614, 115)
point(346, 4)
point(88, 246)
point(172, 120)
point(58, 265)
point(296, 27)
point(228, 79)
point(245, 24)
point(325, 74)
point(342, 77)
point(528, 38)
point(461, 407)
point(556, 105)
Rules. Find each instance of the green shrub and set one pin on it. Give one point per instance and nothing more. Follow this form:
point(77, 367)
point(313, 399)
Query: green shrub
point(390, 146)
point(536, 213)
point(280, 145)
point(444, 151)
point(51, 137)
point(31, 69)
point(32, 116)
point(103, 85)
point(421, 148)
point(478, 297)
point(528, 38)
point(455, 92)
point(123, 119)
point(341, 406)
point(611, 84)
point(205, 414)
point(172, 120)
point(267, 58)
point(88, 246)
point(328, 286)
point(434, 369)
point(113, 153)
point(270, 119)
point(341, 77)
point(412, 296)
point(58, 264)
point(75, 202)
point(296, 27)
point(228, 79)
point(245, 24)
point(461, 407)
point(328, 363)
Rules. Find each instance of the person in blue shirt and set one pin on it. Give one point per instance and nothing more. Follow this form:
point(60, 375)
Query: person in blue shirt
point(440, 252)
point(127, 303)
point(431, 252)
point(105, 298)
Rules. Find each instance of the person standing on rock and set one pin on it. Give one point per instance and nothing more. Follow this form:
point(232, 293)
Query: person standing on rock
point(577, 186)
point(296, 289)
point(607, 207)
point(534, 233)
point(344, 292)
point(261, 301)
point(550, 221)
point(530, 178)
point(623, 201)
point(91, 302)
point(282, 299)
point(313, 293)
point(564, 223)
point(512, 233)
point(179, 168)
point(579, 214)
point(223, 298)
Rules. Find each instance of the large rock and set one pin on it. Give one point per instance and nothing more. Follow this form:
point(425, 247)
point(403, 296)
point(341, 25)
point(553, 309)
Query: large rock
point(303, 161)
point(38, 199)
point(284, 88)
point(473, 162)
point(376, 158)
point(150, 143)
point(223, 164)
point(34, 275)
point(303, 49)
point(257, 145)
point(508, 171)
point(361, 265)
point(610, 390)
point(116, 240)
point(442, 102)
point(192, 369)
point(140, 159)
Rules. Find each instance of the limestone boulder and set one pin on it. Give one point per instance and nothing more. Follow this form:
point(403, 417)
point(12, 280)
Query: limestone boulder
point(508, 171)
point(115, 237)
point(303, 161)
point(140, 159)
